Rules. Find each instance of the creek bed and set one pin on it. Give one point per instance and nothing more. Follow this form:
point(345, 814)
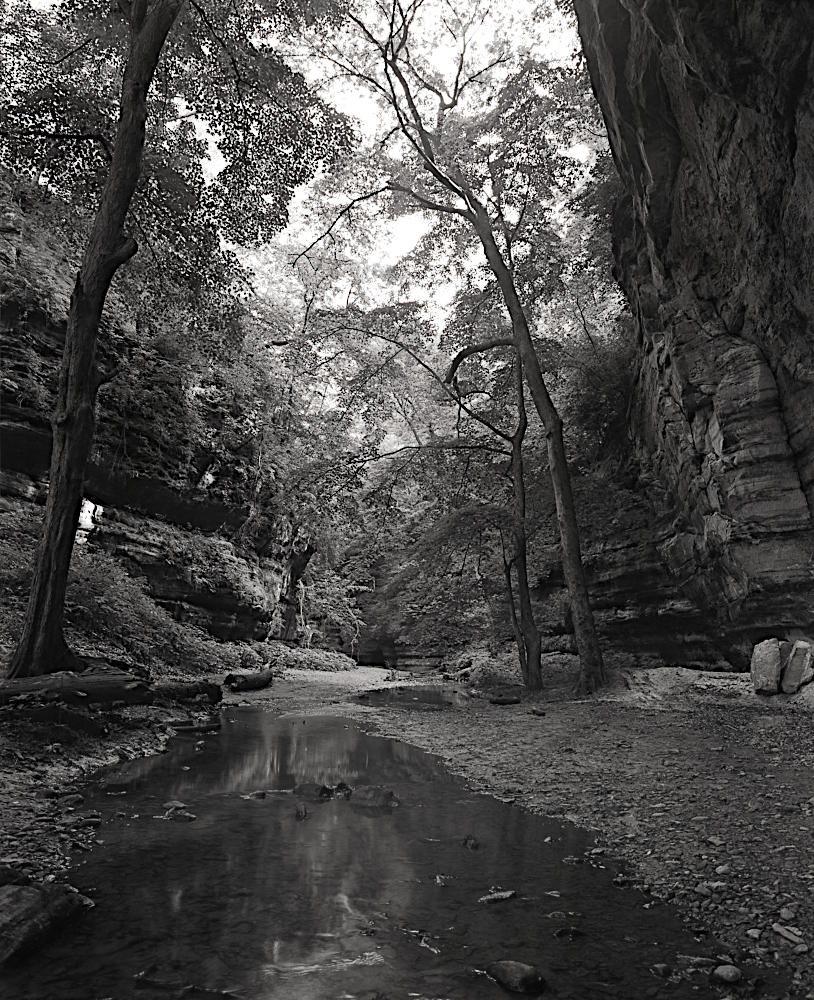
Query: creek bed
point(352, 901)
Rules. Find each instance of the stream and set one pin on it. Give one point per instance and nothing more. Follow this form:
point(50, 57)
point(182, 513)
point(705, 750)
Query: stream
point(355, 900)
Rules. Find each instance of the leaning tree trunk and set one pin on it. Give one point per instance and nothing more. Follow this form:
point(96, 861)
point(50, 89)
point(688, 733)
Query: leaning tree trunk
point(42, 648)
point(592, 670)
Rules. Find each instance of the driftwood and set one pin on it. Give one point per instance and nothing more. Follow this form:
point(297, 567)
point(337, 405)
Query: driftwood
point(29, 912)
point(80, 689)
point(104, 687)
point(254, 681)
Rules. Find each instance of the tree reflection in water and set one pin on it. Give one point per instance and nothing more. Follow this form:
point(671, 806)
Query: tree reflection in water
point(346, 903)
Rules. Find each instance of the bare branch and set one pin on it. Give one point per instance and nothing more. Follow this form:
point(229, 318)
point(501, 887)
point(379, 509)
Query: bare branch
point(461, 356)
point(73, 51)
point(345, 211)
point(437, 378)
point(584, 323)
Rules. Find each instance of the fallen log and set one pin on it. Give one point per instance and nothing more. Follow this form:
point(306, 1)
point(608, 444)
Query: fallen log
point(104, 687)
point(80, 689)
point(254, 681)
point(187, 690)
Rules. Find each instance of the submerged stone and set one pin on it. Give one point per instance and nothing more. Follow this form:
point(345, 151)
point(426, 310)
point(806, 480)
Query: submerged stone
point(517, 976)
point(29, 912)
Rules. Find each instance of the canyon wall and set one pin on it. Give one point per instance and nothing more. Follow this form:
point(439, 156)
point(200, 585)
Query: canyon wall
point(709, 107)
point(170, 467)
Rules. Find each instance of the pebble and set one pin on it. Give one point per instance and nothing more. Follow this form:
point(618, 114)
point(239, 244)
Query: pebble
point(787, 913)
point(727, 974)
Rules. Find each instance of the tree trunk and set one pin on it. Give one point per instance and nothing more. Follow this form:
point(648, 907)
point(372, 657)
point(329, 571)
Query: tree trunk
point(527, 626)
point(42, 648)
point(592, 670)
point(518, 632)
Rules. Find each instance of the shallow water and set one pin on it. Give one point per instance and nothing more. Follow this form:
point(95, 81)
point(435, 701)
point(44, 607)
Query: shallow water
point(351, 902)
point(417, 696)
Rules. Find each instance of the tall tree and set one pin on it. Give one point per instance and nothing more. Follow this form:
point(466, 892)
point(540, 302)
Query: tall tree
point(214, 60)
point(487, 173)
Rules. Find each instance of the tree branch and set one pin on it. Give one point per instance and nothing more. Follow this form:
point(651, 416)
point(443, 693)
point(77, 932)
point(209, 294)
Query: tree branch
point(461, 356)
point(345, 211)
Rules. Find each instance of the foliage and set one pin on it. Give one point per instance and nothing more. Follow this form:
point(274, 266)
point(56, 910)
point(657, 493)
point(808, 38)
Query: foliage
point(282, 656)
point(221, 91)
point(108, 611)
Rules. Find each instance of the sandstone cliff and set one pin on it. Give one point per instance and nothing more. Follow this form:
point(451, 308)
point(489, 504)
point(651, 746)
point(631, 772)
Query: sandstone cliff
point(171, 461)
point(709, 106)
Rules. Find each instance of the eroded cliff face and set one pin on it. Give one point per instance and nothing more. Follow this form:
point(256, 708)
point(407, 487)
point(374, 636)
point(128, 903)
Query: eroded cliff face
point(169, 468)
point(709, 106)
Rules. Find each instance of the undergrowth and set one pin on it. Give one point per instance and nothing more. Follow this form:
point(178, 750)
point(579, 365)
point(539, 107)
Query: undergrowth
point(108, 611)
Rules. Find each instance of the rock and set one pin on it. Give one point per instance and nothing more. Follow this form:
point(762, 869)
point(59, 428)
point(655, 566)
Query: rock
point(343, 790)
point(71, 799)
point(259, 794)
point(505, 699)
point(374, 796)
point(29, 912)
point(517, 976)
point(720, 415)
point(798, 667)
point(181, 816)
point(311, 790)
point(13, 876)
point(766, 667)
point(498, 896)
point(787, 933)
point(727, 974)
point(470, 842)
point(301, 812)
point(661, 969)
point(174, 804)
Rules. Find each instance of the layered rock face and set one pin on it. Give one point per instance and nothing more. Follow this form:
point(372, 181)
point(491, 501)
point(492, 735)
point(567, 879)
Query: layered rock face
point(709, 106)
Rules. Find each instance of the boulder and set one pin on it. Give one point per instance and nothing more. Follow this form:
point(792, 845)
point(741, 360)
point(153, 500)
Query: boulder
point(375, 797)
point(518, 977)
point(767, 667)
point(798, 666)
point(29, 912)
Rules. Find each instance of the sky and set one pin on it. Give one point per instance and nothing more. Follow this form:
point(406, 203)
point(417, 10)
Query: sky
point(393, 239)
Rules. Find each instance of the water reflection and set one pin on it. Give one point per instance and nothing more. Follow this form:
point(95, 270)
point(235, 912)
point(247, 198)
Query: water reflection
point(347, 903)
